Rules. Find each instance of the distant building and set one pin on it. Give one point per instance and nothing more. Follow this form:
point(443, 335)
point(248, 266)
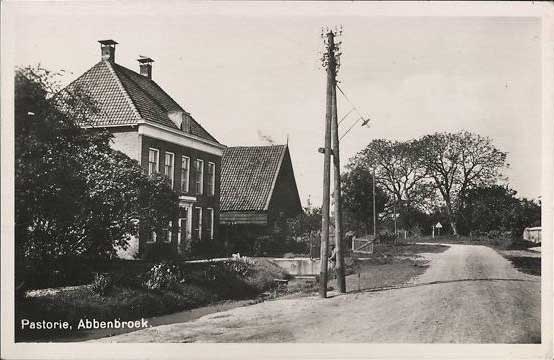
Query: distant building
point(149, 126)
point(532, 234)
point(258, 190)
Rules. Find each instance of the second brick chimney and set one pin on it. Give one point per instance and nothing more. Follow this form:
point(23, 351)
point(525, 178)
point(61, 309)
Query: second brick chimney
point(145, 65)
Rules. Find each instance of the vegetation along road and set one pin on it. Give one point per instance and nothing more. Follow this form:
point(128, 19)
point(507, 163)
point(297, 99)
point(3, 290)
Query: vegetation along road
point(469, 294)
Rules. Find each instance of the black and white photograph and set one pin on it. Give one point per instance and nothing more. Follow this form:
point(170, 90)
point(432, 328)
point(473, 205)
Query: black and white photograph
point(277, 179)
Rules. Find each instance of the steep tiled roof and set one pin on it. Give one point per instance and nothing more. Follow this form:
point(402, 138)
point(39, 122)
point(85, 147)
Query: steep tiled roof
point(248, 175)
point(124, 97)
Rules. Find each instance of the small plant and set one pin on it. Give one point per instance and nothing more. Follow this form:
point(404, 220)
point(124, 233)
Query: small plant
point(163, 276)
point(101, 284)
point(239, 267)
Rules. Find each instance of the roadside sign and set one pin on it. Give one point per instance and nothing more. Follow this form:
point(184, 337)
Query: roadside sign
point(438, 226)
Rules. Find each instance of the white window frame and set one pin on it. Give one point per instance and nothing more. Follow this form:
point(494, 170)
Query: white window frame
point(211, 190)
point(169, 232)
point(201, 167)
point(187, 187)
point(211, 217)
point(157, 152)
point(172, 175)
point(199, 222)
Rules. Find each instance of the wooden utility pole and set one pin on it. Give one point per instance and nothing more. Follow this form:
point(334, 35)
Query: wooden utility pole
point(374, 214)
point(339, 266)
point(328, 59)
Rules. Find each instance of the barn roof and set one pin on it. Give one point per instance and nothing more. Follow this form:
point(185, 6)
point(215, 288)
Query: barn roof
point(124, 97)
point(248, 176)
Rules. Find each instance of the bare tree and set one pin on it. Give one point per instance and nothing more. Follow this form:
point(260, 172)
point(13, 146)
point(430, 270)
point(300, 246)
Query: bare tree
point(458, 162)
point(398, 171)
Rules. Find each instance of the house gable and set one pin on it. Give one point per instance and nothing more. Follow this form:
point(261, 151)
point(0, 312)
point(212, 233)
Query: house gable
point(285, 200)
point(258, 185)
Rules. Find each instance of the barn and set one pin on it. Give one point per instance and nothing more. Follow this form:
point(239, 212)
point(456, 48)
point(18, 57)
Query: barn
point(258, 194)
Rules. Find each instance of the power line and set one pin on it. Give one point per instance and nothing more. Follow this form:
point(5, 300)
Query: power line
point(345, 116)
point(350, 128)
point(351, 103)
point(354, 108)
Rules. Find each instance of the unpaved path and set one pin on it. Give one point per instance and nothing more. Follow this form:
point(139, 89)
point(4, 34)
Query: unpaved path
point(470, 294)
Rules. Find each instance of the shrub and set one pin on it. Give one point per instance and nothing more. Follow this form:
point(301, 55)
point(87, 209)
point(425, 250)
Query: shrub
point(163, 276)
point(387, 238)
point(101, 284)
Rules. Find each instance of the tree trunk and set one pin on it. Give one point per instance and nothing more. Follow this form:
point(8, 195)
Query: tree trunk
point(451, 218)
point(453, 226)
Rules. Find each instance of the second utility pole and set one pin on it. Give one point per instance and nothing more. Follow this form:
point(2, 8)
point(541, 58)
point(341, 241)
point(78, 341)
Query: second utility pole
point(339, 246)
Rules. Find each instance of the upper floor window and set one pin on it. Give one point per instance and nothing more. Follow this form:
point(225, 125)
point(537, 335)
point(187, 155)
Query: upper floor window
point(199, 176)
point(211, 178)
point(169, 166)
point(185, 170)
point(153, 161)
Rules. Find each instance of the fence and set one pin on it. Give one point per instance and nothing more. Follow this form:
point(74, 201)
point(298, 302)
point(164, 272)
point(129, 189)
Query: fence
point(363, 245)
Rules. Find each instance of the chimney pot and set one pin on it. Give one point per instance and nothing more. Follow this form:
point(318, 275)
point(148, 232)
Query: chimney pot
point(107, 49)
point(145, 66)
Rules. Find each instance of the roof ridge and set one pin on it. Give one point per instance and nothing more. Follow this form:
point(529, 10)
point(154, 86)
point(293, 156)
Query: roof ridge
point(256, 146)
point(161, 89)
point(82, 75)
point(278, 170)
point(123, 89)
point(157, 102)
point(169, 97)
point(141, 89)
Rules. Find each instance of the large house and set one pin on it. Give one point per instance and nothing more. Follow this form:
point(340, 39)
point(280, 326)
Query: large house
point(258, 191)
point(151, 127)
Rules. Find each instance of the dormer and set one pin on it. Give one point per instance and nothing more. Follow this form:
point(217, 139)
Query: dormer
point(181, 119)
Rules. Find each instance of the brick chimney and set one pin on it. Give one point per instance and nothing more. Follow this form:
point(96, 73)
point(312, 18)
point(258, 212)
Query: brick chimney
point(107, 49)
point(145, 65)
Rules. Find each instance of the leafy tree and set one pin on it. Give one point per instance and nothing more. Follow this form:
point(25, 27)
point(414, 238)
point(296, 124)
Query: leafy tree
point(357, 196)
point(75, 196)
point(457, 163)
point(496, 207)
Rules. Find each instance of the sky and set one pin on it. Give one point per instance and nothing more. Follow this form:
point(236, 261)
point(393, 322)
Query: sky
point(251, 74)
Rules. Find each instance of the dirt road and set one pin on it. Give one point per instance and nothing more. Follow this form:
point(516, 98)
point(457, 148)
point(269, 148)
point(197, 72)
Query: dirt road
point(469, 294)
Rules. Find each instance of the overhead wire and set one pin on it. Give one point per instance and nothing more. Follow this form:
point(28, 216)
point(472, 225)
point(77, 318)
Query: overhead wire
point(345, 116)
point(354, 108)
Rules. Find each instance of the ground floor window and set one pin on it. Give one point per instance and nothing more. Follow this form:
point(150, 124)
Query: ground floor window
point(197, 229)
point(210, 220)
point(152, 238)
point(169, 232)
